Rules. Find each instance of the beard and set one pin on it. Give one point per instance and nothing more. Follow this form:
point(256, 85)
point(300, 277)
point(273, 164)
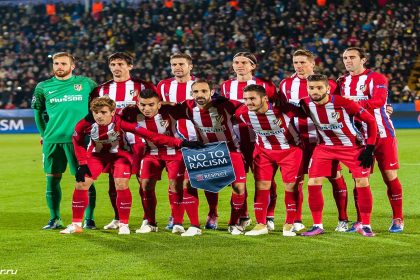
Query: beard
point(318, 98)
point(201, 101)
point(62, 73)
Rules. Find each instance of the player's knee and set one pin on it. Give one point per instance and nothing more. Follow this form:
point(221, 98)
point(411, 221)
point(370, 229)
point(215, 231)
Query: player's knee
point(238, 188)
point(121, 184)
point(361, 182)
point(290, 187)
point(315, 181)
point(389, 175)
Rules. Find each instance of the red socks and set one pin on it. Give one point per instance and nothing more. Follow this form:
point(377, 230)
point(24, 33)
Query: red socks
point(237, 203)
point(212, 200)
point(316, 202)
point(364, 201)
point(148, 200)
point(124, 201)
point(394, 191)
point(273, 199)
point(340, 196)
point(261, 200)
point(291, 202)
point(79, 204)
point(299, 200)
point(191, 203)
point(177, 207)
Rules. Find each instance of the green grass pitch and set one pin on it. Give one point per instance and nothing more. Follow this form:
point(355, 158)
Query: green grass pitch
point(99, 254)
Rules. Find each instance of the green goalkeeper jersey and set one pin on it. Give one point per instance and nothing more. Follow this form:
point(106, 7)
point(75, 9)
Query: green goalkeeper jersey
point(65, 102)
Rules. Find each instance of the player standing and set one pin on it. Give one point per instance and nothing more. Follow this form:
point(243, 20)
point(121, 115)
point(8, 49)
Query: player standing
point(244, 64)
point(277, 147)
point(178, 89)
point(64, 98)
point(295, 88)
point(339, 141)
point(124, 91)
point(370, 89)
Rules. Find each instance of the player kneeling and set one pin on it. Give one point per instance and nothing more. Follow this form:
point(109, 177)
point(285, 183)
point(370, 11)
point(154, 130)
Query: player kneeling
point(107, 151)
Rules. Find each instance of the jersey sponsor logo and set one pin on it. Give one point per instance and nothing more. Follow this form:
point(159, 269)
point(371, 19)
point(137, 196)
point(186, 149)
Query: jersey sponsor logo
point(67, 98)
point(78, 87)
point(123, 104)
point(212, 129)
point(270, 132)
point(277, 122)
point(331, 126)
point(335, 115)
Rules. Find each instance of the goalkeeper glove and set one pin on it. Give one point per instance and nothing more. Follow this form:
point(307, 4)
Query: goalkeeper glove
point(366, 157)
point(81, 173)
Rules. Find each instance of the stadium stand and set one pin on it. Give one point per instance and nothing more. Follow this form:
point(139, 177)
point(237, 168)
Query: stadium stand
point(212, 32)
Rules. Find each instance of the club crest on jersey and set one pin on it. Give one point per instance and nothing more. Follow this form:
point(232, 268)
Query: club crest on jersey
point(362, 87)
point(78, 87)
point(219, 118)
point(164, 123)
point(134, 92)
point(335, 115)
point(277, 122)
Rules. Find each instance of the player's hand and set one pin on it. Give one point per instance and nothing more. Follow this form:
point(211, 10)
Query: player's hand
point(81, 173)
point(41, 141)
point(192, 144)
point(366, 157)
point(389, 109)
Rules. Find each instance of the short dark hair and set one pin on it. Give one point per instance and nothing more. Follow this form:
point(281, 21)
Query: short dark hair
point(318, 78)
point(248, 55)
point(148, 93)
point(257, 88)
point(182, 55)
point(203, 81)
point(304, 52)
point(362, 52)
point(121, 55)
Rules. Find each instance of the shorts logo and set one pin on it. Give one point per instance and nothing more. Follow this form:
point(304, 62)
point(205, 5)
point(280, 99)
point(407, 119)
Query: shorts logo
point(335, 115)
point(277, 122)
point(392, 164)
point(78, 87)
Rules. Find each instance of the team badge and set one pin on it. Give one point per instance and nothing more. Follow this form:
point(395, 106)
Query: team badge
point(277, 122)
point(335, 115)
point(219, 118)
point(134, 92)
point(362, 87)
point(164, 123)
point(78, 87)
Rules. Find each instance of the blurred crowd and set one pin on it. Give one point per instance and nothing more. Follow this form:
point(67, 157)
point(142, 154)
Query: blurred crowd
point(211, 32)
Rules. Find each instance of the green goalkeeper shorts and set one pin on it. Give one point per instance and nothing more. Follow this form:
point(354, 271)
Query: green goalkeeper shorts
point(55, 157)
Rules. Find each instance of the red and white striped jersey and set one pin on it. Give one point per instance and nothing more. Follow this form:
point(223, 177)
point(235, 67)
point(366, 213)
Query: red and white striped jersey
point(234, 90)
point(295, 88)
point(110, 138)
point(334, 121)
point(370, 89)
point(214, 124)
point(163, 124)
point(123, 93)
point(170, 90)
point(274, 128)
